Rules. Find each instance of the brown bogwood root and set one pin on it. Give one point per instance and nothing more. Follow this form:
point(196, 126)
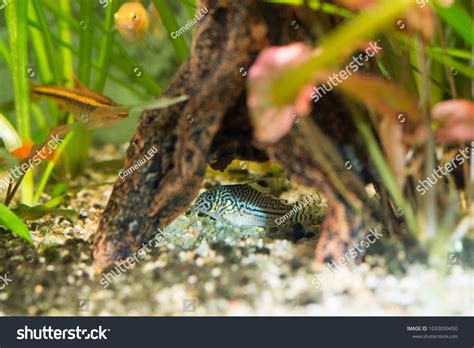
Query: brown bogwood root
point(212, 127)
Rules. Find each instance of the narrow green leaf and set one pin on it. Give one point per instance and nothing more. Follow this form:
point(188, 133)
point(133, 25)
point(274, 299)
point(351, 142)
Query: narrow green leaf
point(171, 26)
point(64, 32)
point(458, 19)
point(386, 176)
point(453, 64)
point(190, 6)
point(455, 53)
point(162, 103)
point(106, 46)
point(43, 64)
point(121, 59)
point(95, 65)
point(78, 149)
point(50, 166)
point(86, 32)
point(17, 17)
point(49, 47)
point(5, 55)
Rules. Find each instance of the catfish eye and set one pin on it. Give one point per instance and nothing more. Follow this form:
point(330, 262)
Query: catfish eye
point(210, 197)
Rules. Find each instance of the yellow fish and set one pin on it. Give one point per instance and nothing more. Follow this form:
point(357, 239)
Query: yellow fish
point(132, 21)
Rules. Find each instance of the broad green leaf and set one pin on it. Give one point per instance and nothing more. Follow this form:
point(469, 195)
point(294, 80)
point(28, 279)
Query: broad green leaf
point(37, 212)
point(11, 221)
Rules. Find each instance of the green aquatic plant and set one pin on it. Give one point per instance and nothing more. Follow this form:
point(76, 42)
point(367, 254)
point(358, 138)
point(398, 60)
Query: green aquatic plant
point(52, 42)
point(431, 65)
point(47, 42)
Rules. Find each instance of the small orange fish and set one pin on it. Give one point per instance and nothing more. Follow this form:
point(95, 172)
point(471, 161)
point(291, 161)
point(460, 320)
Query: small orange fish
point(24, 151)
point(93, 109)
point(47, 149)
point(132, 21)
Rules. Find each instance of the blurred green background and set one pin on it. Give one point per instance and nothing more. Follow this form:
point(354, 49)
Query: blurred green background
point(155, 55)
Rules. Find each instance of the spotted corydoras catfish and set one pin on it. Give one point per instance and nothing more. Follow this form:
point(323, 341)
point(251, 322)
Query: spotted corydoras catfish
point(251, 205)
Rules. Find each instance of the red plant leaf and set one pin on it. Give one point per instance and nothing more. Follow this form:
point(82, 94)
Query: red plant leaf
point(386, 98)
point(391, 136)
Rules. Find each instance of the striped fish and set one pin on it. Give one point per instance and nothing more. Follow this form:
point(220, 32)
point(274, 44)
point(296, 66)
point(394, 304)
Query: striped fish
point(249, 205)
point(93, 109)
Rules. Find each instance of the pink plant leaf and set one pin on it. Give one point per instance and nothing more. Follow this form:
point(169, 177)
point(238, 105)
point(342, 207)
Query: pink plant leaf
point(269, 122)
point(455, 119)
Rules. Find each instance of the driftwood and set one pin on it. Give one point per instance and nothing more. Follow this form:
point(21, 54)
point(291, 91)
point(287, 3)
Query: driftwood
point(212, 127)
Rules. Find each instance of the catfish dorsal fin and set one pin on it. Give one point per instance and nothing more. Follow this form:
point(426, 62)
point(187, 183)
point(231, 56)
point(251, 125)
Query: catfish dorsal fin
point(260, 188)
